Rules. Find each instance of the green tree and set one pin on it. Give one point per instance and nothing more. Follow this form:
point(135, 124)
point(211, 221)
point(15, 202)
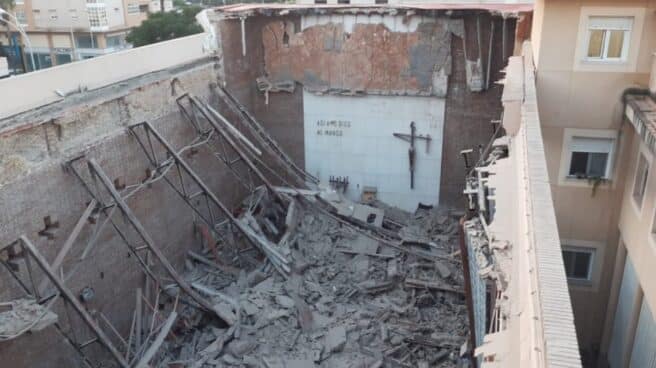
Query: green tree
point(163, 26)
point(7, 4)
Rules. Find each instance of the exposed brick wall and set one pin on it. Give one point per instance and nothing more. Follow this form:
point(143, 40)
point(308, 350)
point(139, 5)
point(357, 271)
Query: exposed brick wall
point(283, 115)
point(469, 114)
point(98, 129)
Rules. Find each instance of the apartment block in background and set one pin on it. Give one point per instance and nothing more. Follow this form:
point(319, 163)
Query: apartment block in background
point(62, 31)
point(593, 61)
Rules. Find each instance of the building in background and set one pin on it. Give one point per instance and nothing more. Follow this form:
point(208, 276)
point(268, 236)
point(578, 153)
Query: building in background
point(62, 31)
point(589, 55)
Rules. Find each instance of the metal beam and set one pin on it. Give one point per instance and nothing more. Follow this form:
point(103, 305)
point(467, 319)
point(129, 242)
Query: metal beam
point(143, 234)
point(221, 131)
point(189, 171)
point(70, 297)
point(265, 139)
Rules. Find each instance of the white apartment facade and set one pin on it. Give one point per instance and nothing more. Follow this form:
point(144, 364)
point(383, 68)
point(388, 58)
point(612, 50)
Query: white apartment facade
point(62, 31)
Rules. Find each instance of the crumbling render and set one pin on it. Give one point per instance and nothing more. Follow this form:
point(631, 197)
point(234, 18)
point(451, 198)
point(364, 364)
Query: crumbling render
point(489, 257)
point(297, 276)
point(369, 59)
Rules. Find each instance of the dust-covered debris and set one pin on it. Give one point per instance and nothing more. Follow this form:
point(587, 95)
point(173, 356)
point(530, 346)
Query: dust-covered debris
point(23, 315)
point(349, 299)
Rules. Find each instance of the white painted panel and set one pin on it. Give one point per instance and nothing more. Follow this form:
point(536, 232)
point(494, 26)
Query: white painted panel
point(644, 345)
point(625, 305)
point(363, 147)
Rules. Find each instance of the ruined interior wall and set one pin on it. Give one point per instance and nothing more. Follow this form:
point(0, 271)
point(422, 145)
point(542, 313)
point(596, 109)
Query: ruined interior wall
point(364, 53)
point(34, 185)
point(282, 116)
point(354, 137)
point(468, 116)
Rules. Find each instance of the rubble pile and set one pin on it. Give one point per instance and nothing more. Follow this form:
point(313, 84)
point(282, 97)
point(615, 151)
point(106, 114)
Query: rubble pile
point(349, 299)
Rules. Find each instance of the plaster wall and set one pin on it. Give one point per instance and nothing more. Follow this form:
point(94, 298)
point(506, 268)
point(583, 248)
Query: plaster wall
point(260, 50)
point(353, 137)
point(43, 9)
point(573, 93)
point(636, 224)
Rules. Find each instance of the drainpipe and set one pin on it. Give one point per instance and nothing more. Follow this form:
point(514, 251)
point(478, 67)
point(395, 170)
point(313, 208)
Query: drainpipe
point(464, 255)
point(243, 35)
point(489, 55)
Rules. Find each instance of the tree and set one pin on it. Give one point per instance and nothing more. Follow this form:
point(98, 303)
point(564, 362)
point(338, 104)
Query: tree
point(7, 4)
point(163, 26)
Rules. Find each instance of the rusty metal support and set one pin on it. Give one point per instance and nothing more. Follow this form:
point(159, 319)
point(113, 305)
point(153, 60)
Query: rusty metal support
point(222, 131)
point(143, 234)
point(207, 192)
point(58, 328)
point(70, 297)
point(175, 156)
point(265, 140)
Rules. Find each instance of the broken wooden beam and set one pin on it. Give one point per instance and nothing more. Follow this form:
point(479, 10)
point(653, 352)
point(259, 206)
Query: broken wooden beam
point(157, 343)
point(422, 284)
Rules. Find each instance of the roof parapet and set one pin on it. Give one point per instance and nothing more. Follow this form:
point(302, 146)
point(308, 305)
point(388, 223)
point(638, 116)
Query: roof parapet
point(516, 230)
point(276, 9)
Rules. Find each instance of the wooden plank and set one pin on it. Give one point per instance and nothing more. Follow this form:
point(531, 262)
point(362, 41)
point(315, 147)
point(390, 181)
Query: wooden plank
point(157, 343)
point(138, 325)
point(221, 267)
point(421, 284)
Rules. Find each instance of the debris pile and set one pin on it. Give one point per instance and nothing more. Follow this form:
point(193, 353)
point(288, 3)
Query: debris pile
point(346, 297)
point(23, 315)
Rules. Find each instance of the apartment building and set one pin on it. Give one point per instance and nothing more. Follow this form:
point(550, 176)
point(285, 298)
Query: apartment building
point(62, 31)
point(591, 57)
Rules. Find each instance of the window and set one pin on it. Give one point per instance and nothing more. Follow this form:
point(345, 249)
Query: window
point(608, 38)
point(343, 1)
point(63, 58)
point(43, 60)
point(20, 16)
point(578, 263)
point(133, 8)
point(36, 13)
point(52, 13)
point(73, 14)
point(381, 2)
point(640, 180)
point(320, 2)
point(115, 41)
point(590, 157)
point(97, 16)
point(85, 41)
